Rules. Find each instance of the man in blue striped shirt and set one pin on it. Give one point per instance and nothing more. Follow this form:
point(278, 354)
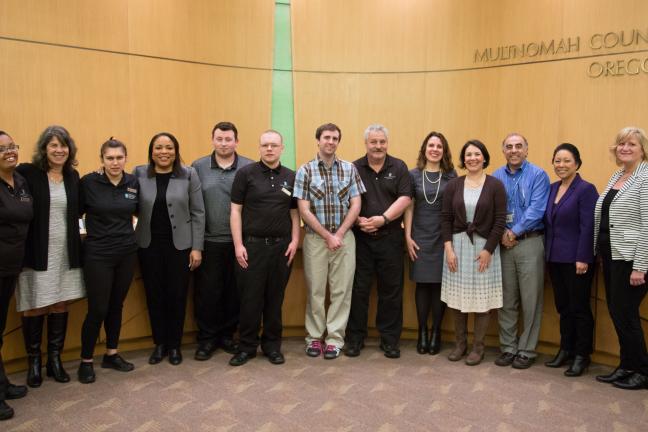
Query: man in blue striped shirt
point(329, 192)
point(527, 189)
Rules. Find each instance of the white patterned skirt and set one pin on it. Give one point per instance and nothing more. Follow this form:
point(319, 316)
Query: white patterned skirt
point(467, 289)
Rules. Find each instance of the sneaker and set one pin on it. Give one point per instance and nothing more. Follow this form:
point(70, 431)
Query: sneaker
point(314, 348)
point(331, 352)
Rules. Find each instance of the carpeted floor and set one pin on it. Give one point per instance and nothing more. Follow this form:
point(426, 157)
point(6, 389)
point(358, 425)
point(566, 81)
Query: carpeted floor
point(367, 393)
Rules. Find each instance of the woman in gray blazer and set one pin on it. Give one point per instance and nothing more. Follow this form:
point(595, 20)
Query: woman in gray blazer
point(621, 234)
point(169, 234)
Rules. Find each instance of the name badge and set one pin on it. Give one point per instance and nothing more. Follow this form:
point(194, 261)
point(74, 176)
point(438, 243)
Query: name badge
point(131, 190)
point(509, 217)
point(286, 191)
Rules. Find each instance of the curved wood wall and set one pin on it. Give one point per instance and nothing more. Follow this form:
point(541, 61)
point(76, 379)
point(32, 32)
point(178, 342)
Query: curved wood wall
point(131, 69)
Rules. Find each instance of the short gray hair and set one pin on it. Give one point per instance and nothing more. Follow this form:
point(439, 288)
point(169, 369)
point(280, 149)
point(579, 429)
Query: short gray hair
point(376, 128)
point(512, 134)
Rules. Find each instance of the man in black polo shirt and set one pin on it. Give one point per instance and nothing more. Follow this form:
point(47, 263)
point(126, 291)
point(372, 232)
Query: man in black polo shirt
point(265, 230)
point(379, 245)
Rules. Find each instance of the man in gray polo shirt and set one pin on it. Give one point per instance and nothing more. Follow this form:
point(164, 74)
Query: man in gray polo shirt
point(215, 298)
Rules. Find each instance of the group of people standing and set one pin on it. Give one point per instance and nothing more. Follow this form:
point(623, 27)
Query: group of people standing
point(476, 242)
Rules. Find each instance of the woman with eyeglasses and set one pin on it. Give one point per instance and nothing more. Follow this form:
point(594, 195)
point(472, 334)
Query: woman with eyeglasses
point(51, 275)
point(109, 201)
point(15, 214)
point(169, 233)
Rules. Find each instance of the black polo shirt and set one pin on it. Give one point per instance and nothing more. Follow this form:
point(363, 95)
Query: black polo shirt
point(15, 214)
point(109, 210)
point(266, 197)
point(383, 188)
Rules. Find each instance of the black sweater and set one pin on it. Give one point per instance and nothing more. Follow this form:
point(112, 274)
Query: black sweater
point(38, 235)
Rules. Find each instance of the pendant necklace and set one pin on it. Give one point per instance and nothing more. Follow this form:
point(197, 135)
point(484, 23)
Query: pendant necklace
point(437, 181)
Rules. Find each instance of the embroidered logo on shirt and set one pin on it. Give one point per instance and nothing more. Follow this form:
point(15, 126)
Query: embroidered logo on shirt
point(389, 176)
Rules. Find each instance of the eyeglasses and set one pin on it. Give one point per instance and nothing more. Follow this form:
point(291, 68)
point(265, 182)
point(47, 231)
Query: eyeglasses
point(12, 147)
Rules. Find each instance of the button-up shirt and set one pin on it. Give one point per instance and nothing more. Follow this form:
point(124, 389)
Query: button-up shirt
point(328, 189)
point(527, 190)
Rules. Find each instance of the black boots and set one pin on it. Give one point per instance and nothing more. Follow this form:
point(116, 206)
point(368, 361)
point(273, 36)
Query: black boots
point(578, 366)
point(56, 328)
point(562, 358)
point(33, 333)
point(422, 346)
point(434, 346)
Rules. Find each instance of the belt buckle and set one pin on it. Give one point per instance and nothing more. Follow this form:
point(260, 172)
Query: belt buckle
point(267, 240)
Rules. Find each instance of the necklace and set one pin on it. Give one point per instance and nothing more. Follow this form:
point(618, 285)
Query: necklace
point(425, 178)
point(55, 177)
point(474, 184)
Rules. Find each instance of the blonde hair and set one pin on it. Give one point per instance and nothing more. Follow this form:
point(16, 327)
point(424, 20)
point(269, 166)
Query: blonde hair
point(630, 132)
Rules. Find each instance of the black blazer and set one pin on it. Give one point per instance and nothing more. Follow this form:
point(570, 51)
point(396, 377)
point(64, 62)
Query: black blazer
point(38, 235)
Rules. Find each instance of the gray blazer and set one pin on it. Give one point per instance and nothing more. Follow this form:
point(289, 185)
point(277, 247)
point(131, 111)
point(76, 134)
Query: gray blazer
point(185, 205)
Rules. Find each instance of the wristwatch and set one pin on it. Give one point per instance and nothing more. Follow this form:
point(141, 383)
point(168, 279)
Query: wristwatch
point(386, 219)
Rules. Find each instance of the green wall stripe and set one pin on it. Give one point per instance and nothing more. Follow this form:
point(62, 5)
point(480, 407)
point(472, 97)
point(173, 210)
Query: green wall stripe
point(283, 112)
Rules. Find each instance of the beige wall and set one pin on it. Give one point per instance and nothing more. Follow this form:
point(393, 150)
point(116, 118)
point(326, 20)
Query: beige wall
point(133, 68)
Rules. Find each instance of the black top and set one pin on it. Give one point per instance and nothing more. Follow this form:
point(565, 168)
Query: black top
point(38, 236)
point(160, 222)
point(109, 211)
point(604, 228)
point(383, 188)
point(266, 197)
point(15, 214)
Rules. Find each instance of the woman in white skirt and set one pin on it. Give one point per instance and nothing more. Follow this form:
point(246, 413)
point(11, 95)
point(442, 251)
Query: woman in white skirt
point(51, 274)
point(472, 222)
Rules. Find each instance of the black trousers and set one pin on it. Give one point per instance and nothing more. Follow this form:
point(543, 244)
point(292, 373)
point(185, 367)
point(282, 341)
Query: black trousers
point(165, 271)
point(572, 297)
point(7, 286)
point(216, 301)
point(261, 288)
point(623, 303)
point(107, 280)
point(383, 257)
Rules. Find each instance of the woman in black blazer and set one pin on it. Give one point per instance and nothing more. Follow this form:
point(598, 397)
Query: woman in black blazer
point(51, 274)
point(169, 233)
point(621, 235)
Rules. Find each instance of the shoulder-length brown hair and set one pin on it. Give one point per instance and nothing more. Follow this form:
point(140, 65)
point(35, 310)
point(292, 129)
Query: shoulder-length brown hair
point(446, 164)
point(40, 154)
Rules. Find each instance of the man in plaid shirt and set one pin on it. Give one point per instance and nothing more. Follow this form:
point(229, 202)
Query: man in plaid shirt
point(329, 192)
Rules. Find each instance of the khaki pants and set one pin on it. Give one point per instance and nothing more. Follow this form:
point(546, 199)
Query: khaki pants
point(337, 268)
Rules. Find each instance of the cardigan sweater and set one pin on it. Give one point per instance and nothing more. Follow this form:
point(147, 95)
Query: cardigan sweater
point(490, 214)
point(38, 235)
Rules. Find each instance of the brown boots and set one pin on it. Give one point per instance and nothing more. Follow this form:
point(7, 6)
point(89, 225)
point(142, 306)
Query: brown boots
point(481, 326)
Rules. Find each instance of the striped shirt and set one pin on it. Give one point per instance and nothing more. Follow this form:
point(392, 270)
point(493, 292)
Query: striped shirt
point(328, 189)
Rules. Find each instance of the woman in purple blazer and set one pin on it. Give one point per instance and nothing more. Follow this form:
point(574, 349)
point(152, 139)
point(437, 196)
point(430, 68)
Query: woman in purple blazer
point(569, 233)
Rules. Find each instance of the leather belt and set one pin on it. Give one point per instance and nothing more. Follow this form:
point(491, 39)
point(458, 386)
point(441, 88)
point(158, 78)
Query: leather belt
point(530, 234)
point(265, 240)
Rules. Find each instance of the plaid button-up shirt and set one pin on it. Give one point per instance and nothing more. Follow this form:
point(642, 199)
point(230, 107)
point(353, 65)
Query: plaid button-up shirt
point(329, 190)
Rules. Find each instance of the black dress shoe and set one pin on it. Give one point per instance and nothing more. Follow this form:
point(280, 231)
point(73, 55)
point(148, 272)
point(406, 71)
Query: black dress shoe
point(158, 354)
point(241, 358)
point(86, 373)
point(275, 357)
point(352, 349)
point(175, 356)
point(229, 345)
point(116, 362)
point(422, 346)
point(616, 375)
point(391, 351)
point(15, 391)
point(522, 361)
point(636, 381)
point(561, 358)
point(578, 366)
point(6, 412)
point(205, 351)
point(505, 359)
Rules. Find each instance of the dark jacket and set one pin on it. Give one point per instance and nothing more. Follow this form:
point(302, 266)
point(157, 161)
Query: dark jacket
point(38, 235)
point(569, 225)
point(490, 215)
